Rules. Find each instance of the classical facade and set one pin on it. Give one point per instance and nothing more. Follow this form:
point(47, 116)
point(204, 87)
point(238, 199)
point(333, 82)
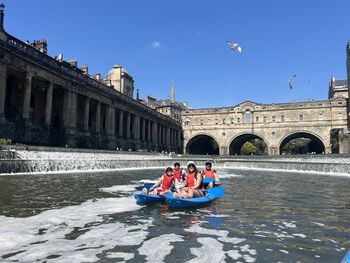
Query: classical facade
point(224, 130)
point(47, 101)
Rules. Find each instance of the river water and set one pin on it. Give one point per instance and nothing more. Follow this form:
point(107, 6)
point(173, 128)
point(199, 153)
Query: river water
point(263, 217)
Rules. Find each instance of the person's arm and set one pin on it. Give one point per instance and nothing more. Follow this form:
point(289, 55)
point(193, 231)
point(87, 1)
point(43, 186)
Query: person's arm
point(156, 184)
point(198, 181)
point(217, 180)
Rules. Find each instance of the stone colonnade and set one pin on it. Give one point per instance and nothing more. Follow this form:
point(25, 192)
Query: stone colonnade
point(111, 122)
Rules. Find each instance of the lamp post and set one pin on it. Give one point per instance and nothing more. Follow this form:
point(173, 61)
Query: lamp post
point(2, 7)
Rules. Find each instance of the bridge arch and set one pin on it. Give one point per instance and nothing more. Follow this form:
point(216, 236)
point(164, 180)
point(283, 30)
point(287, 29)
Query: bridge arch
point(202, 144)
point(315, 143)
point(239, 140)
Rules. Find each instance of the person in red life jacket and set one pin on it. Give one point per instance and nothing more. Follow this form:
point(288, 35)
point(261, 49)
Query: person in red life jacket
point(208, 172)
point(163, 186)
point(179, 175)
point(193, 182)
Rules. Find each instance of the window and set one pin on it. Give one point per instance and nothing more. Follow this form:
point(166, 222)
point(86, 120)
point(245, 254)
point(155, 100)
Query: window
point(247, 116)
point(232, 121)
point(320, 116)
point(239, 120)
point(340, 115)
point(216, 121)
point(301, 117)
point(282, 118)
point(223, 121)
point(273, 118)
point(265, 119)
point(187, 122)
point(256, 119)
point(201, 122)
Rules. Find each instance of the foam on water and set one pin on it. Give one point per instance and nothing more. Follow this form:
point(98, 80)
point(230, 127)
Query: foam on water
point(119, 188)
point(210, 251)
point(125, 256)
point(46, 234)
point(157, 248)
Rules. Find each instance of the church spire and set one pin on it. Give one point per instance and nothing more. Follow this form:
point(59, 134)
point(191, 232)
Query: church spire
point(172, 95)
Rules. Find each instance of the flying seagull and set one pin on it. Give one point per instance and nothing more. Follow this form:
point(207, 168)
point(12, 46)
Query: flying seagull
point(234, 46)
point(290, 81)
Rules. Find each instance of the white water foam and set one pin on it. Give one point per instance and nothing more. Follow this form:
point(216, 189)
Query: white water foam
point(118, 188)
point(157, 248)
point(210, 251)
point(125, 256)
point(45, 234)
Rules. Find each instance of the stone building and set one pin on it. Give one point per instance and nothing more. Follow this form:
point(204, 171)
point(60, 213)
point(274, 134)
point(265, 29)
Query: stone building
point(169, 107)
point(48, 101)
point(224, 130)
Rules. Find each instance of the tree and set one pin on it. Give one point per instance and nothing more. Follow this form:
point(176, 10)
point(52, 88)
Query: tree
point(249, 148)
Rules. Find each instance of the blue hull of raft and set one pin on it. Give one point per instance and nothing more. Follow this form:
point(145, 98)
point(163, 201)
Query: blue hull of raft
point(212, 194)
point(143, 199)
point(346, 259)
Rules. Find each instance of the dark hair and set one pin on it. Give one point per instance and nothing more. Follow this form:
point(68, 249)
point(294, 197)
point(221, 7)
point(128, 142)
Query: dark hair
point(176, 163)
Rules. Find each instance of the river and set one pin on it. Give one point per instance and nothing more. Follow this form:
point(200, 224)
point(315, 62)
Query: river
point(265, 216)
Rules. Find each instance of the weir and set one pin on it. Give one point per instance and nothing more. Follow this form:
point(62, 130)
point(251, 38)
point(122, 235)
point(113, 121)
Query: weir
point(29, 160)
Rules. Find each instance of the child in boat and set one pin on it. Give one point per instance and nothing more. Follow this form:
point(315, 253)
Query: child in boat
point(163, 186)
point(208, 172)
point(193, 182)
point(179, 175)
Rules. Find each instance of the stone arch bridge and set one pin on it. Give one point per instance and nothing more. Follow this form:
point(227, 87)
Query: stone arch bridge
point(224, 130)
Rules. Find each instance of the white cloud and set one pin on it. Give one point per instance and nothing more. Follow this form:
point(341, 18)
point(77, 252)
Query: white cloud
point(156, 44)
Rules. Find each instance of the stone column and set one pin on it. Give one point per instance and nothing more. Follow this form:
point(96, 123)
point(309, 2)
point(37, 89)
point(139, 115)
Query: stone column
point(120, 132)
point(136, 128)
point(73, 111)
point(149, 131)
point(48, 107)
point(27, 95)
point(167, 136)
point(179, 142)
point(108, 120)
point(3, 79)
point(128, 122)
point(112, 121)
point(143, 137)
point(155, 132)
point(98, 117)
point(86, 113)
point(66, 108)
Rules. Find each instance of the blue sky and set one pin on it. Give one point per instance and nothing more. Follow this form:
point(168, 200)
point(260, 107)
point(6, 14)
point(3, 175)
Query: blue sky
point(158, 41)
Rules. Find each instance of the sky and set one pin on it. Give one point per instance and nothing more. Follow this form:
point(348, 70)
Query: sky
point(158, 41)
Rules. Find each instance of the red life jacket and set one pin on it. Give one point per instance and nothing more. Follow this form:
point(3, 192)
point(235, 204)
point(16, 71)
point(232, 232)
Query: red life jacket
point(167, 182)
point(209, 174)
point(177, 174)
point(191, 179)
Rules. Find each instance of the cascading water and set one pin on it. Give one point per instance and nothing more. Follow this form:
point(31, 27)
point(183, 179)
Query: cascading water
point(41, 160)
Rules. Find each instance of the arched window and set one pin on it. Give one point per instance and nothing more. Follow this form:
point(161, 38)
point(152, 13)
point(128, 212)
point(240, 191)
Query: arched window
point(247, 116)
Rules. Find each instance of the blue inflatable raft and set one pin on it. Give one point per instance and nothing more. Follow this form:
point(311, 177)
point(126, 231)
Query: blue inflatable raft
point(211, 195)
point(143, 199)
point(346, 259)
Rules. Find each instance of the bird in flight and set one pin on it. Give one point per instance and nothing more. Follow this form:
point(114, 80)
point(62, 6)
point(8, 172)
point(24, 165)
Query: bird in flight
point(234, 46)
point(290, 81)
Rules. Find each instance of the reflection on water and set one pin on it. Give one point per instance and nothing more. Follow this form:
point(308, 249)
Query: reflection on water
point(263, 217)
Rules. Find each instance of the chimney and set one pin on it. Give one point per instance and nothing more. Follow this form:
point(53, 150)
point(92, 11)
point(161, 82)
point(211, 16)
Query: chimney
point(73, 62)
point(85, 69)
point(98, 76)
point(2, 15)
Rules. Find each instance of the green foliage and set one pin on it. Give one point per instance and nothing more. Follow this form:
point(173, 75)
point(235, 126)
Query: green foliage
point(4, 141)
point(249, 148)
point(297, 146)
